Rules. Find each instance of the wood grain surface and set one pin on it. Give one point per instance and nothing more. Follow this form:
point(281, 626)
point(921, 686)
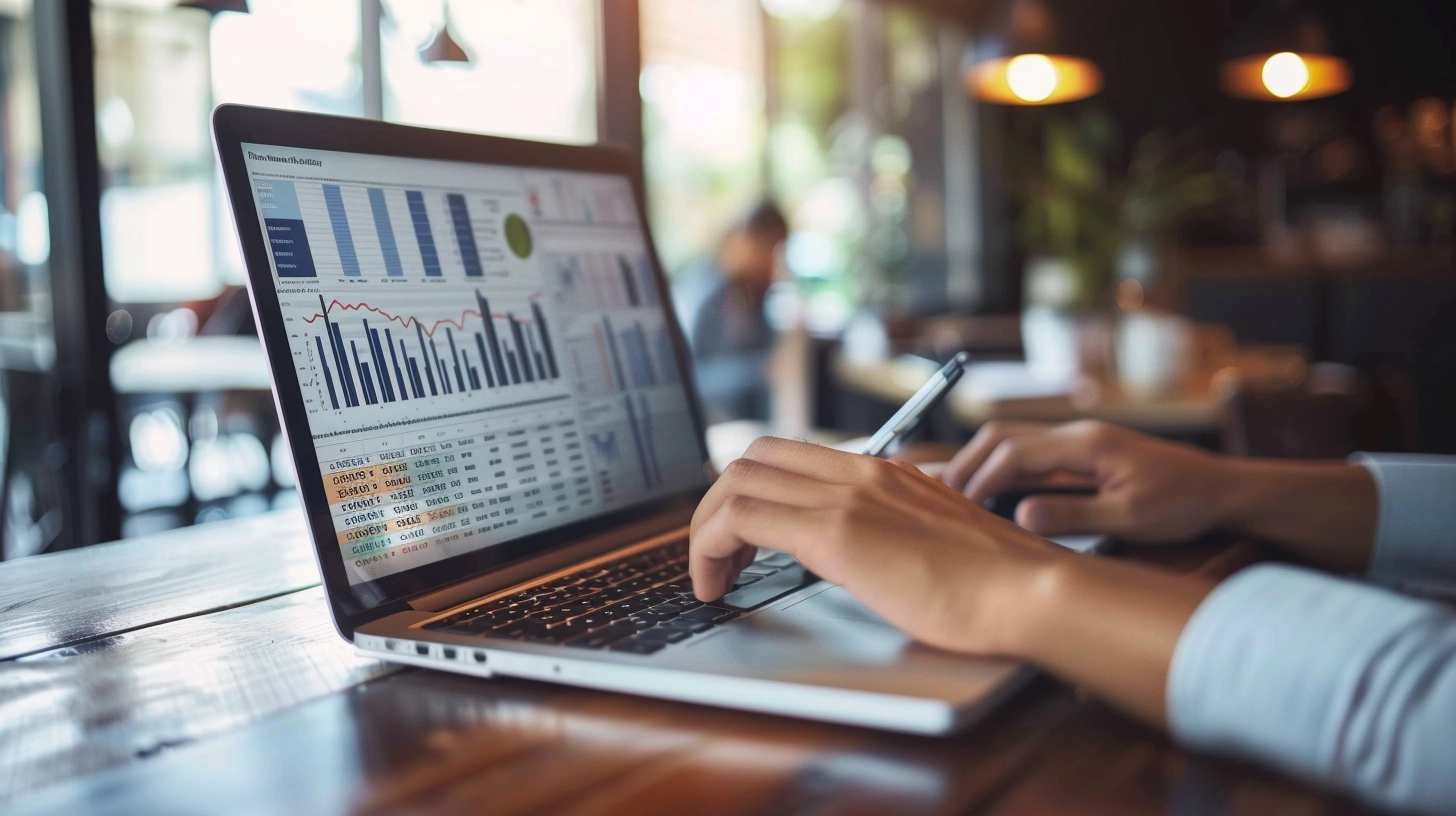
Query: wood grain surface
point(73, 597)
point(218, 694)
point(107, 702)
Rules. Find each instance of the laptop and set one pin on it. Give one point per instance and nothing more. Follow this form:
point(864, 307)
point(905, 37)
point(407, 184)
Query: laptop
point(492, 417)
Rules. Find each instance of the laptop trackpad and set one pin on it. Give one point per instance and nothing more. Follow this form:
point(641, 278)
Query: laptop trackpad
point(836, 602)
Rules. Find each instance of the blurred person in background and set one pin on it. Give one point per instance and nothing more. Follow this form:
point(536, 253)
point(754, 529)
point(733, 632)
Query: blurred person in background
point(720, 303)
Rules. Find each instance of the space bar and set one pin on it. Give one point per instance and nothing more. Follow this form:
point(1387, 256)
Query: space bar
point(759, 592)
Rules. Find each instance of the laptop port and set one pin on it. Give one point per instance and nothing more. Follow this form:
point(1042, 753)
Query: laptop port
point(422, 649)
point(479, 656)
point(449, 653)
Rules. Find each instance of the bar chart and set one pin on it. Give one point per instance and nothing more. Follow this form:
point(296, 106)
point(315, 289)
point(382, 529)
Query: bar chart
point(371, 356)
point(325, 229)
point(604, 280)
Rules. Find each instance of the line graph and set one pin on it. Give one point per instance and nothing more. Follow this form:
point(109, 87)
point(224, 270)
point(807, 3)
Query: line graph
point(371, 366)
point(409, 321)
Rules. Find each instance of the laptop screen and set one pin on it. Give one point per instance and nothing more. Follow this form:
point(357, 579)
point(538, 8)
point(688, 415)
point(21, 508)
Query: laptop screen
point(482, 350)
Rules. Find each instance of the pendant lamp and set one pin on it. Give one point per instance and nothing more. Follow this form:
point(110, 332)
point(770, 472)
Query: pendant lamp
point(1023, 59)
point(444, 47)
point(215, 6)
point(1283, 54)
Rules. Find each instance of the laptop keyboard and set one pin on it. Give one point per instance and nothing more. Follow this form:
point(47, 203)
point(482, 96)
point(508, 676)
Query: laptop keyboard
point(639, 605)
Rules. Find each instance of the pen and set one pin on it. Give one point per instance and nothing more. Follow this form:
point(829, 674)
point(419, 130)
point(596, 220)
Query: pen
point(908, 417)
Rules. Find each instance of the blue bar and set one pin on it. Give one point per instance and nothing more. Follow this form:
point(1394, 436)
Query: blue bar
point(460, 215)
point(666, 359)
point(616, 356)
point(336, 343)
point(328, 378)
point(363, 369)
point(455, 356)
point(484, 359)
point(545, 339)
point(394, 360)
point(343, 238)
point(429, 255)
point(637, 441)
point(511, 363)
point(521, 352)
point(425, 355)
point(376, 351)
point(635, 341)
point(351, 396)
point(386, 233)
point(415, 376)
point(648, 440)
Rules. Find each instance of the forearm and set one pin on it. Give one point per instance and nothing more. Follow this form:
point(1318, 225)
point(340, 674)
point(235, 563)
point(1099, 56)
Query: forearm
point(1323, 512)
point(1109, 626)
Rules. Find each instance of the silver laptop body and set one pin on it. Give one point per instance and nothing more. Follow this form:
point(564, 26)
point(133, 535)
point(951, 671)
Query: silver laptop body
point(497, 439)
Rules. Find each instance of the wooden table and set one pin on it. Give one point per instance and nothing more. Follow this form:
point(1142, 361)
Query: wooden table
point(197, 671)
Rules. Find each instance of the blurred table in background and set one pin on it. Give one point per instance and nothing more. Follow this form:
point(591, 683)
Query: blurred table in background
point(1192, 409)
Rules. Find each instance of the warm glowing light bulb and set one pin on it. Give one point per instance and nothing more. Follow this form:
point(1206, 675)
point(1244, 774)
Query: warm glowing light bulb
point(1032, 77)
point(1285, 74)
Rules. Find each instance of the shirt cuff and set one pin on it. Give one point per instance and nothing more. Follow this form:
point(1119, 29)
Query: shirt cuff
point(1302, 671)
point(1415, 538)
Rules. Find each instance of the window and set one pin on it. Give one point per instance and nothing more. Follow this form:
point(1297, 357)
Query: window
point(704, 120)
point(531, 74)
point(201, 441)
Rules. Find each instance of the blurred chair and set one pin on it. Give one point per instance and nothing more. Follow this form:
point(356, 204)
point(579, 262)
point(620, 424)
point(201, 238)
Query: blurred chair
point(1331, 412)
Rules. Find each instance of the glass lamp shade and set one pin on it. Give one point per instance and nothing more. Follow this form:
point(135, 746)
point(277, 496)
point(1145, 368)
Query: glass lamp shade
point(1033, 79)
point(1284, 76)
point(1283, 53)
point(1024, 57)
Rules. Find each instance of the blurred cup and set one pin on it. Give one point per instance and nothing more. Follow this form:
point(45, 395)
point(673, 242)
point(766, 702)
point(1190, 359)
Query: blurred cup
point(1153, 352)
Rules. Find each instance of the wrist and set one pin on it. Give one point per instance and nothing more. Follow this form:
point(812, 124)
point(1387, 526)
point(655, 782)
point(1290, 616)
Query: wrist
point(1324, 511)
point(1241, 488)
point(1034, 603)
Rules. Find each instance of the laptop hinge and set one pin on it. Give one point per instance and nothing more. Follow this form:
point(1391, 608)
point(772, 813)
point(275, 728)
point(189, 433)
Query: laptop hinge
point(656, 531)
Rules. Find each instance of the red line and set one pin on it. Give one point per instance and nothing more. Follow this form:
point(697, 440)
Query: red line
point(409, 321)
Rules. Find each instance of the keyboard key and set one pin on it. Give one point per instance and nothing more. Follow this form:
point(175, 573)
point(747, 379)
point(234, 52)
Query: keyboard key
point(603, 637)
point(690, 626)
point(632, 605)
point(745, 579)
point(666, 634)
point(615, 593)
point(708, 614)
point(759, 570)
point(636, 646)
point(661, 612)
point(521, 630)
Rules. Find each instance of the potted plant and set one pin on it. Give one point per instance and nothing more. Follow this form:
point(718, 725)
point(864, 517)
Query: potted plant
point(1078, 219)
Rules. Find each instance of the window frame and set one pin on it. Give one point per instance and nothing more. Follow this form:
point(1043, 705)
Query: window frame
point(89, 425)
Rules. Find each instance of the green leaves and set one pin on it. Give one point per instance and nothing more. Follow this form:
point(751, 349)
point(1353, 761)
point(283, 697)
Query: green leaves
point(1073, 208)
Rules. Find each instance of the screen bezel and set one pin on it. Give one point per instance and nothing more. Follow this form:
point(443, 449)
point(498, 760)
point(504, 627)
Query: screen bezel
point(354, 605)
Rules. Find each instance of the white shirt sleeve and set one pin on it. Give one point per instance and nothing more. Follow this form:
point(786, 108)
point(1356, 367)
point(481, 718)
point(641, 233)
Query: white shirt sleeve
point(1415, 538)
point(1343, 683)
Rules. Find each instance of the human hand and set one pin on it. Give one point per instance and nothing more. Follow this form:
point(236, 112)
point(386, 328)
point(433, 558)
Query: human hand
point(937, 566)
point(1148, 490)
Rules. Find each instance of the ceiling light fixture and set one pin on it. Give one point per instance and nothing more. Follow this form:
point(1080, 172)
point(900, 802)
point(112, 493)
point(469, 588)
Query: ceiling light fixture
point(1023, 60)
point(1283, 54)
